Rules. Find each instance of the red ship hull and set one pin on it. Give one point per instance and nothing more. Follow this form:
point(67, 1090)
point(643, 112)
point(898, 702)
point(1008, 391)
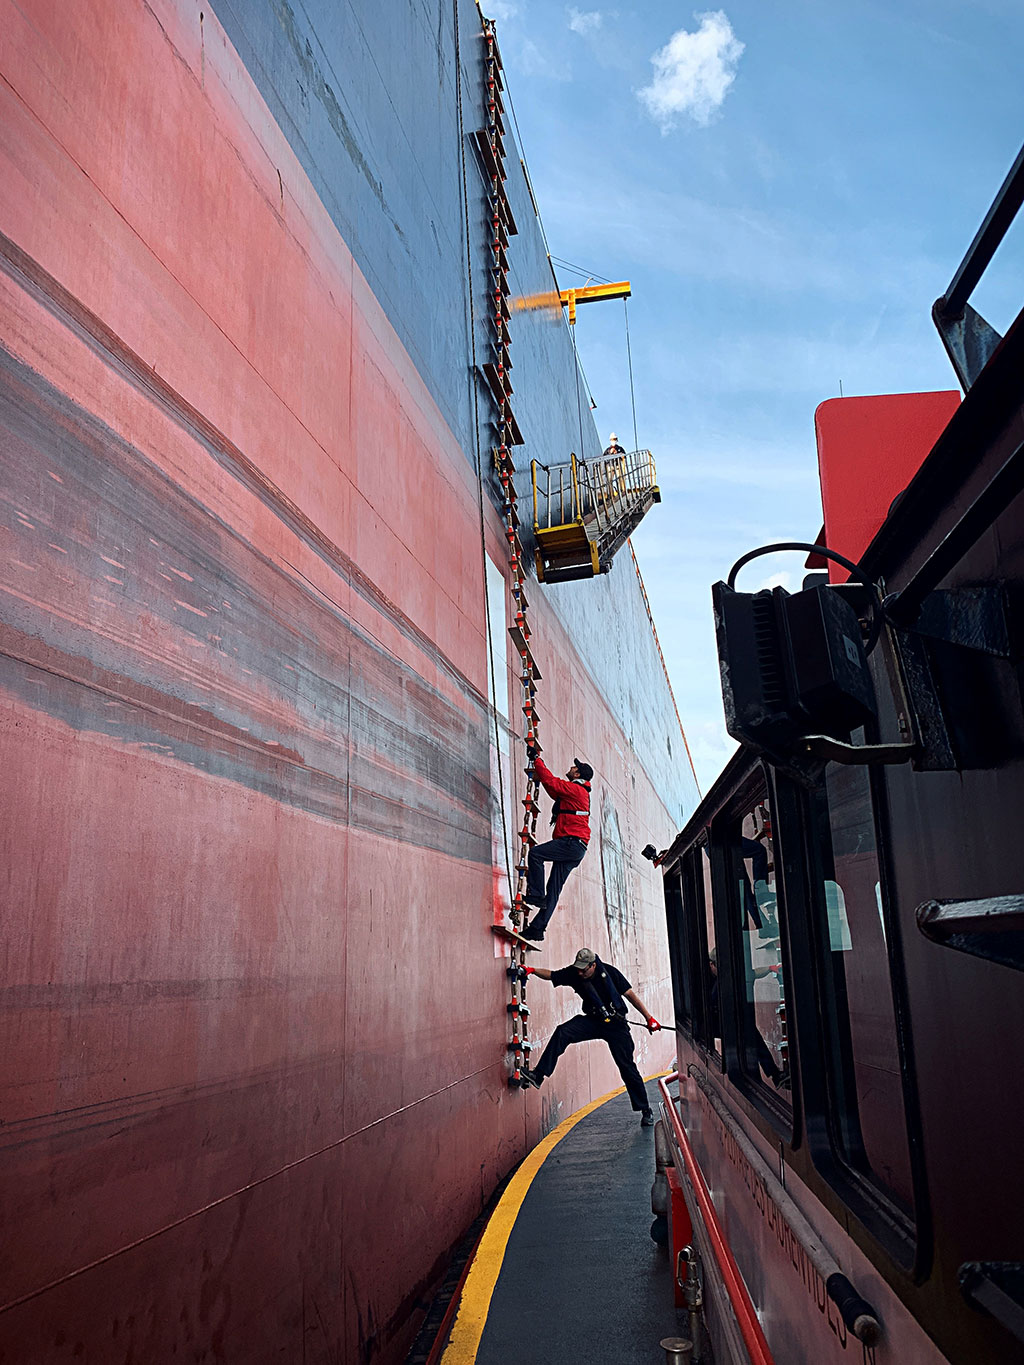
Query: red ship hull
point(254, 1083)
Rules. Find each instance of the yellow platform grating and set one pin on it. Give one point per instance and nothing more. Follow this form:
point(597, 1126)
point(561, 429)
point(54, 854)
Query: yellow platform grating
point(584, 511)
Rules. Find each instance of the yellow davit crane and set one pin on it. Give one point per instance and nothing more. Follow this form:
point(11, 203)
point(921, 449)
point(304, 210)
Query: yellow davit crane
point(569, 298)
point(584, 511)
point(592, 293)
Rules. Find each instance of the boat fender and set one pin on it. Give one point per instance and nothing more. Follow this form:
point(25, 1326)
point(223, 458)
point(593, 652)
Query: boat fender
point(858, 1315)
point(662, 1160)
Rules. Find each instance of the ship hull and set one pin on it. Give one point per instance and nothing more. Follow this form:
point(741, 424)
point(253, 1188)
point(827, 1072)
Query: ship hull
point(259, 780)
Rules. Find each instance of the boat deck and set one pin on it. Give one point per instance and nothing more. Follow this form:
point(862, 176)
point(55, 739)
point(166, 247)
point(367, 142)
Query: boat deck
point(566, 1268)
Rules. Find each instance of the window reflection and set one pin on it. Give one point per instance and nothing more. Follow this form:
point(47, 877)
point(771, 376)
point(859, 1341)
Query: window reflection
point(714, 1008)
point(765, 1043)
point(866, 1071)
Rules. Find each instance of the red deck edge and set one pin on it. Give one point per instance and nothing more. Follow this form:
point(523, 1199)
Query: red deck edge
point(742, 1304)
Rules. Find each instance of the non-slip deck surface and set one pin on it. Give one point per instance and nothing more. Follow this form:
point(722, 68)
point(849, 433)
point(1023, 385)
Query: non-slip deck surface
point(581, 1279)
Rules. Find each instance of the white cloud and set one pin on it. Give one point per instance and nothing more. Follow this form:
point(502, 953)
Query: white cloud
point(693, 72)
point(500, 10)
point(584, 22)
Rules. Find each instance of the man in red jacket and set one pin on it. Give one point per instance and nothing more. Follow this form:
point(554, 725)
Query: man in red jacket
point(570, 816)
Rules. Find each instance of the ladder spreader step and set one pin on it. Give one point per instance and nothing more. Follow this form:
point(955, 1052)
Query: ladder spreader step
point(510, 936)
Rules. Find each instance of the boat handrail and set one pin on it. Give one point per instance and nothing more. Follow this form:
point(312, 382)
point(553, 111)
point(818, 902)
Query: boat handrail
point(969, 340)
point(739, 1296)
point(988, 237)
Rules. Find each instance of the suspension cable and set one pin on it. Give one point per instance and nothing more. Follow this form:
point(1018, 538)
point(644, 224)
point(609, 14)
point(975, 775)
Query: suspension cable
point(576, 368)
point(578, 270)
point(629, 357)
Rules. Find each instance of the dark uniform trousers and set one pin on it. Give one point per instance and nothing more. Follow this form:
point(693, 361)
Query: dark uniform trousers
point(581, 1029)
point(563, 855)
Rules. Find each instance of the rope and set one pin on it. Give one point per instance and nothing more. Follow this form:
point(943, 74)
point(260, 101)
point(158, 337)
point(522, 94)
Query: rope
point(479, 454)
point(517, 1008)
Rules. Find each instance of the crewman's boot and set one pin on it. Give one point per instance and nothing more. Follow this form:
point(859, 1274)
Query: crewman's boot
point(646, 1119)
point(530, 1079)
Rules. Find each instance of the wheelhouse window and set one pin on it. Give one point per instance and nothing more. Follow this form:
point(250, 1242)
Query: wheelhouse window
point(864, 1066)
point(763, 1040)
point(691, 927)
point(688, 906)
point(680, 936)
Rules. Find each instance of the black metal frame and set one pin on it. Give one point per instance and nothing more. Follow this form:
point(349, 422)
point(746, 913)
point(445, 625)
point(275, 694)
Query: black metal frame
point(812, 1120)
point(969, 340)
point(903, 1237)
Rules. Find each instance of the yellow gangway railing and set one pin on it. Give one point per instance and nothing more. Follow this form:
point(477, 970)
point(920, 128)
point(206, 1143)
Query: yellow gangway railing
point(583, 511)
point(556, 495)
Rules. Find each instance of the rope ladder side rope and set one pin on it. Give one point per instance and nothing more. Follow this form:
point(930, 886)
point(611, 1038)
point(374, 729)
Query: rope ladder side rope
point(519, 1043)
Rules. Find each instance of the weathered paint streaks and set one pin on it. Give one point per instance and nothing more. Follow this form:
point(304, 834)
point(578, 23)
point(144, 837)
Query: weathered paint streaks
point(251, 1023)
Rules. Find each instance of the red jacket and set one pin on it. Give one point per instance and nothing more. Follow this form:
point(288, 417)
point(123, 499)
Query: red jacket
point(572, 803)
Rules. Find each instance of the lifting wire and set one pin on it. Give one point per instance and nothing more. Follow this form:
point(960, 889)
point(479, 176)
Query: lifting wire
point(578, 270)
point(500, 220)
point(579, 405)
point(629, 357)
point(636, 566)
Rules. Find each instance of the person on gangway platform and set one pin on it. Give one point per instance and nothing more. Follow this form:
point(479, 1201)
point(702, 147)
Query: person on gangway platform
point(604, 991)
point(570, 816)
point(613, 447)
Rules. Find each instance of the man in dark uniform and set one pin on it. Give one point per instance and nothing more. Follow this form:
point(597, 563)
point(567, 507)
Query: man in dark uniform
point(604, 991)
point(570, 816)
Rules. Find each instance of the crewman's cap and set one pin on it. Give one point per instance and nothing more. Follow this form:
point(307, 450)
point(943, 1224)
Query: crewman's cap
point(586, 957)
point(584, 769)
point(612, 437)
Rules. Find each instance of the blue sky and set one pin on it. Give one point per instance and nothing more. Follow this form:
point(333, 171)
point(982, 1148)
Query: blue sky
point(788, 185)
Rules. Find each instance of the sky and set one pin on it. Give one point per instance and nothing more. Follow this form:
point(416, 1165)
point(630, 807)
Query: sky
point(788, 185)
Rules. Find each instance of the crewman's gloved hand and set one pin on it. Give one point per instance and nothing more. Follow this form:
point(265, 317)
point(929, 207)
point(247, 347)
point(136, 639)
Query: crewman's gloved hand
point(529, 971)
point(652, 1025)
point(532, 752)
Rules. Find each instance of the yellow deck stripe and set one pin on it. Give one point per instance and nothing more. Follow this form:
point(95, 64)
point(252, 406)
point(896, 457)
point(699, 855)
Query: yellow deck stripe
point(475, 1301)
